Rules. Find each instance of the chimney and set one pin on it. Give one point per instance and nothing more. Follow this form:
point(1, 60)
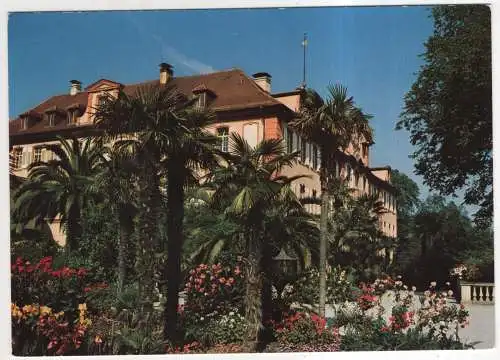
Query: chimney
point(76, 87)
point(166, 72)
point(263, 79)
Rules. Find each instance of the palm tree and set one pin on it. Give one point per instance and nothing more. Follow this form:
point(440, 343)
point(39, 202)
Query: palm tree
point(333, 124)
point(357, 241)
point(116, 185)
point(248, 183)
point(59, 187)
point(167, 136)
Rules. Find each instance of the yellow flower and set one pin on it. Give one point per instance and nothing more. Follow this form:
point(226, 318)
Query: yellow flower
point(98, 339)
point(45, 310)
point(82, 307)
point(59, 314)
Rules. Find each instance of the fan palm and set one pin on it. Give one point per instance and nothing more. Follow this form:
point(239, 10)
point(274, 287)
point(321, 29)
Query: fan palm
point(247, 184)
point(59, 187)
point(115, 184)
point(333, 124)
point(167, 136)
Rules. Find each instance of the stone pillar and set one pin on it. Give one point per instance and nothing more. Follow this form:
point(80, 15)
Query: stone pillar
point(465, 292)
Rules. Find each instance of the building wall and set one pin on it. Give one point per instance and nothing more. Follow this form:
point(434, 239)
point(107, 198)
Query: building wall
point(291, 101)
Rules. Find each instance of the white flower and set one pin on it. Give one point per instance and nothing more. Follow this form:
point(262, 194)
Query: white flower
point(231, 313)
point(447, 283)
point(433, 283)
point(202, 318)
point(413, 288)
point(450, 292)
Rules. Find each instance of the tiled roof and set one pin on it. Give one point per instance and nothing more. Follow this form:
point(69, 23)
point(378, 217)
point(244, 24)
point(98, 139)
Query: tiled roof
point(233, 90)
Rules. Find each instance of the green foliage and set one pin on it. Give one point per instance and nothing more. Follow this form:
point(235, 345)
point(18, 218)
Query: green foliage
point(305, 333)
point(338, 285)
point(449, 107)
point(356, 240)
point(59, 187)
point(411, 340)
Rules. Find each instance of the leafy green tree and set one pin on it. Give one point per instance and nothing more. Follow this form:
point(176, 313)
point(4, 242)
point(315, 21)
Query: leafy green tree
point(445, 233)
point(408, 202)
point(58, 188)
point(248, 181)
point(448, 110)
point(333, 123)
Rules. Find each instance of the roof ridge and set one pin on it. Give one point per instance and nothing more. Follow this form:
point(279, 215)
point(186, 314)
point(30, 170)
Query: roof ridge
point(262, 91)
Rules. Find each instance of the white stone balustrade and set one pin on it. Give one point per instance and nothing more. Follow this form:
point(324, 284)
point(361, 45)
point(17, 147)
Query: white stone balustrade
point(477, 293)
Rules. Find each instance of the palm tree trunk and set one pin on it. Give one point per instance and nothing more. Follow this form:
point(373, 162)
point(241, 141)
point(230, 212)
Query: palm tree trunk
point(148, 236)
point(253, 304)
point(175, 216)
point(74, 228)
point(323, 243)
point(126, 228)
point(266, 297)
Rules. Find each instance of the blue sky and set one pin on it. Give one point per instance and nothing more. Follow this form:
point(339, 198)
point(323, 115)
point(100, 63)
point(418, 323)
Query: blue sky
point(371, 50)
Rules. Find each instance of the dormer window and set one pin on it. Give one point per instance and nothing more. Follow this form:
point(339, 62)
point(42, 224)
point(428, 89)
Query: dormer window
point(71, 117)
point(302, 189)
point(52, 119)
point(73, 111)
point(203, 96)
point(29, 118)
point(201, 100)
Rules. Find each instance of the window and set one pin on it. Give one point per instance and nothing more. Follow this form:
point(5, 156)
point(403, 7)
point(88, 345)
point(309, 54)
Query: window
point(71, 117)
point(303, 150)
point(315, 157)
point(314, 193)
point(37, 154)
point(101, 100)
point(201, 100)
point(26, 121)
point(17, 158)
point(52, 118)
point(302, 189)
point(289, 141)
point(223, 135)
point(364, 149)
point(348, 173)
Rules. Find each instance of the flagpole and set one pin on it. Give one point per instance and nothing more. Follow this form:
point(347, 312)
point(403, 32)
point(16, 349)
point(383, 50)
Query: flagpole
point(304, 44)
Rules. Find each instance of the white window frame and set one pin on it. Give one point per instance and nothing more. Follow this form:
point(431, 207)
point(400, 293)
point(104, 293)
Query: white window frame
point(223, 135)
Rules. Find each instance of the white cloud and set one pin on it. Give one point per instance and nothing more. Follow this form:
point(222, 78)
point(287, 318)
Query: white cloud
point(172, 55)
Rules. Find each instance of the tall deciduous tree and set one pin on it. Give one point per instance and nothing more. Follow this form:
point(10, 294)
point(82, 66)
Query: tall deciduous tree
point(333, 124)
point(448, 110)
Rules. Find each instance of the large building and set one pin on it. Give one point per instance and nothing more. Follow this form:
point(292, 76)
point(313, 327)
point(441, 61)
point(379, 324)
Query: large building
point(242, 104)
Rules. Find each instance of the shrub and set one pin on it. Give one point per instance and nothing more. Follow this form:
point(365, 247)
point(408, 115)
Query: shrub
point(61, 288)
point(368, 326)
point(211, 292)
point(303, 332)
point(37, 330)
point(49, 309)
point(339, 288)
